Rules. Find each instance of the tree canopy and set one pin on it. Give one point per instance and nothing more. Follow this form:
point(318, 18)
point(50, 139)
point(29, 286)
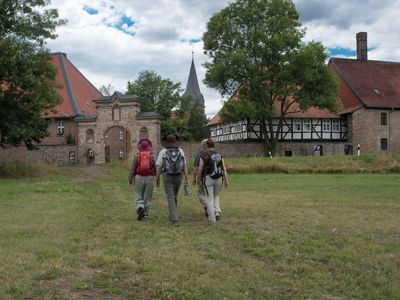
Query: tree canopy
point(259, 57)
point(163, 96)
point(158, 94)
point(27, 86)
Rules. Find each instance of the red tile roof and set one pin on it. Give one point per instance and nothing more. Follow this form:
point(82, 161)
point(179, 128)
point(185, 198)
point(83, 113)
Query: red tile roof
point(293, 112)
point(374, 84)
point(76, 91)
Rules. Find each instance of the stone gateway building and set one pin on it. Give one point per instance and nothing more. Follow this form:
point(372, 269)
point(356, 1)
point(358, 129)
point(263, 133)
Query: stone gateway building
point(115, 130)
point(88, 127)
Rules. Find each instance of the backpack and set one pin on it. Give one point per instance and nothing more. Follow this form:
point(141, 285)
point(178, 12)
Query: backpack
point(173, 161)
point(215, 167)
point(144, 164)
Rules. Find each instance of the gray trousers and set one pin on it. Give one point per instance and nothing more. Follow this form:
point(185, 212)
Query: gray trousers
point(172, 184)
point(211, 197)
point(143, 192)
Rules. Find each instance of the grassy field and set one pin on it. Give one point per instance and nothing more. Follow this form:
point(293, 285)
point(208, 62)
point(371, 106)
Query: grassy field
point(72, 233)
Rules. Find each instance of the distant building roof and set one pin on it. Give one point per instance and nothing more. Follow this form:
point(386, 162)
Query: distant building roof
point(294, 112)
point(192, 86)
point(374, 84)
point(120, 96)
point(76, 91)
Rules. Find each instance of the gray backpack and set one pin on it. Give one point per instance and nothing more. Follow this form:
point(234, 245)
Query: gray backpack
point(173, 163)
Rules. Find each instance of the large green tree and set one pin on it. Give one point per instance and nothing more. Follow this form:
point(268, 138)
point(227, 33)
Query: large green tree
point(258, 55)
point(158, 94)
point(27, 87)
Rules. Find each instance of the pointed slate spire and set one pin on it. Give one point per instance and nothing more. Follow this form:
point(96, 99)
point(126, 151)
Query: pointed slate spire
point(192, 86)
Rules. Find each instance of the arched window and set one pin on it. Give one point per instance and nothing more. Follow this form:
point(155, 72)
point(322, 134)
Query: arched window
point(90, 136)
point(143, 133)
point(116, 113)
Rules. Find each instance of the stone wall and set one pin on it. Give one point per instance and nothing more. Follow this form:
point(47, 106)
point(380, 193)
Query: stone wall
point(248, 149)
point(367, 130)
point(57, 154)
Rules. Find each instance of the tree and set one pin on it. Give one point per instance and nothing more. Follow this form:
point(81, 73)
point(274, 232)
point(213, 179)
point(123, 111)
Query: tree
point(159, 95)
point(106, 90)
point(178, 127)
point(27, 86)
point(196, 123)
point(193, 113)
point(258, 55)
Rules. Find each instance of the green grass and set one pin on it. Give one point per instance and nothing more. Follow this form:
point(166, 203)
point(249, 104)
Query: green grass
point(74, 235)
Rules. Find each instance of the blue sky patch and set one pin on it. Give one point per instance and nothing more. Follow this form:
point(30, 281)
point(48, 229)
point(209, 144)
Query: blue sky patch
point(90, 10)
point(191, 41)
point(194, 41)
point(341, 52)
point(124, 24)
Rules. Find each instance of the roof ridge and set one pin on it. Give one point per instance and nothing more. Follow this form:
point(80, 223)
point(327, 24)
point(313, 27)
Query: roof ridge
point(71, 94)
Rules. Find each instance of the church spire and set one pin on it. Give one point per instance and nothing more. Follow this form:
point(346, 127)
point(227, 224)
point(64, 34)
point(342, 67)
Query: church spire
point(192, 86)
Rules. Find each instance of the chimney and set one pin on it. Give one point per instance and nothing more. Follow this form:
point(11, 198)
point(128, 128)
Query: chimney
point(362, 49)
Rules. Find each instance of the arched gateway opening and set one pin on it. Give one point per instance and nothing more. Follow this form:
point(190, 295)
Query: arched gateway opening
point(117, 143)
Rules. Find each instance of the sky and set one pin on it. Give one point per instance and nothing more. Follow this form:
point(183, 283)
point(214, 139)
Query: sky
point(111, 41)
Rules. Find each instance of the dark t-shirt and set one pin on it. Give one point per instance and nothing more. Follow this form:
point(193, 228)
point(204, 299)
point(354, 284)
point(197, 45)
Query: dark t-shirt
point(197, 158)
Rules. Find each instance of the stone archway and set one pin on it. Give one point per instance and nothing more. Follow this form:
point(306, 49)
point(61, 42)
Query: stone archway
point(117, 143)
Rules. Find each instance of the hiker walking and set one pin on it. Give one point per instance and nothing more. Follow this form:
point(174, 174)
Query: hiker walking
point(211, 174)
point(171, 163)
point(201, 192)
point(141, 175)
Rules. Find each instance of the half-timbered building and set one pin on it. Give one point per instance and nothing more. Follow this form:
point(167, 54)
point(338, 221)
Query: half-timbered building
point(368, 118)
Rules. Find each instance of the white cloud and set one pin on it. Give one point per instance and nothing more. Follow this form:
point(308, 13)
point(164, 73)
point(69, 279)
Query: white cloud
point(158, 39)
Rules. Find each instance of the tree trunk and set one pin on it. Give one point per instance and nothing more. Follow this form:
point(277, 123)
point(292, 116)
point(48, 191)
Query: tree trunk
point(270, 140)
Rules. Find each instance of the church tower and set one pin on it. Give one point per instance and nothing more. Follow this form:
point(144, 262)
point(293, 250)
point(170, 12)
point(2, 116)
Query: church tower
point(192, 86)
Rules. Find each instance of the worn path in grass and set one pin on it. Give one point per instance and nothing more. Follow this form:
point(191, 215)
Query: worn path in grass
point(318, 236)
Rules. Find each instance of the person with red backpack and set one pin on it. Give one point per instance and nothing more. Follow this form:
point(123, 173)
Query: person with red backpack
point(141, 175)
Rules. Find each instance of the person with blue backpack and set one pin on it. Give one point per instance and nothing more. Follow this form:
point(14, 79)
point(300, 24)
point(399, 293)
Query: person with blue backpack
point(171, 163)
point(211, 174)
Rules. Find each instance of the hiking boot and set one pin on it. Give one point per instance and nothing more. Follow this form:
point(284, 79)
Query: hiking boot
point(217, 218)
point(140, 213)
point(175, 223)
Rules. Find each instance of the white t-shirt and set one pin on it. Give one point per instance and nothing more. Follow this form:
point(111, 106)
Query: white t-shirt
point(163, 154)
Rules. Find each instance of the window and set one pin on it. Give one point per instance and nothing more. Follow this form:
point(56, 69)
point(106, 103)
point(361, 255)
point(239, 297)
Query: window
point(60, 128)
point(307, 125)
point(288, 153)
point(383, 119)
point(121, 133)
point(336, 125)
point(296, 125)
point(384, 144)
point(326, 125)
point(226, 129)
point(90, 136)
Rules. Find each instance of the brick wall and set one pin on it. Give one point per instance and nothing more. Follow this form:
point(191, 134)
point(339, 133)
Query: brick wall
point(57, 154)
point(70, 126)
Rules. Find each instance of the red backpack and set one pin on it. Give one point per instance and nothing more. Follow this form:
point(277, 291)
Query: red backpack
point(143, 166)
